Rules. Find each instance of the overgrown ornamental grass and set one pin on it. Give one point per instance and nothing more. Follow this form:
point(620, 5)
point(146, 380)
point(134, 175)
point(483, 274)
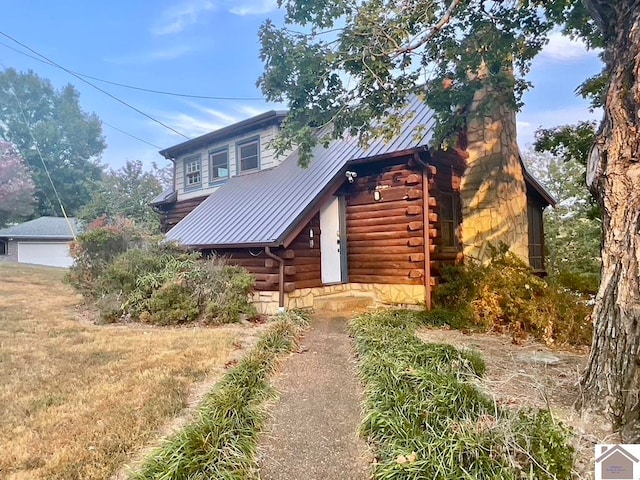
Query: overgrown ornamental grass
point(426, 417)
point(221, 443)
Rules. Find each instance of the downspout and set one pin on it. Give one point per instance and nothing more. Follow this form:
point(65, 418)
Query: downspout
point(270, 254)
point(425, 232)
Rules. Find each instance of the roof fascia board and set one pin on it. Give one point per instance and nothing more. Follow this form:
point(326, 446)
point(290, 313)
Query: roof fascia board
point(272, 116)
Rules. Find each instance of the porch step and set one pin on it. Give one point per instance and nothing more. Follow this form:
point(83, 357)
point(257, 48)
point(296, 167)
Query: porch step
point(341, 302)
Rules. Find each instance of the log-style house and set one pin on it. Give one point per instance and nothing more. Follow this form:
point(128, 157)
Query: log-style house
point(379, 221)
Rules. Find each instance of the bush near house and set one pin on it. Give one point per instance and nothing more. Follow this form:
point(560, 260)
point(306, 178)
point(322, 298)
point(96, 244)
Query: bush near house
point(505, 295)
point(425, 417)
point(132, 276)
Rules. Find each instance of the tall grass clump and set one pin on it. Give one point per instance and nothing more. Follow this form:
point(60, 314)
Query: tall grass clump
point(426, 417)
point(221, 443)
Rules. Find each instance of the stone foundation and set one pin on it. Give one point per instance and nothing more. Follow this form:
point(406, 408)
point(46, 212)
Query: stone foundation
point(382, 294)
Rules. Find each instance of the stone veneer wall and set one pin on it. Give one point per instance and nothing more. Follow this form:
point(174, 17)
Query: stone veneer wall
point(493, 190)
point(382, 294)
point(12, 252)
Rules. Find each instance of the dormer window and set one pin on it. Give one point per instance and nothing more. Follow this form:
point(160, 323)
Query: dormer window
point(219, 164)
point(248, 155)
point(192, 171)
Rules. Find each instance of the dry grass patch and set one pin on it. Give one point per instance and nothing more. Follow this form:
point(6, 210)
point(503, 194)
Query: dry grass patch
point(79, 399)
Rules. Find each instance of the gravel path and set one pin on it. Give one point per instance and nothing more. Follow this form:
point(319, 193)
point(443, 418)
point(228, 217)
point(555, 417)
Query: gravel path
point(313, 431)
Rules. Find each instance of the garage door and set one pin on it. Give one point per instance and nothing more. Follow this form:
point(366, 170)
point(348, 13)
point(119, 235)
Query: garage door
point(53, 254)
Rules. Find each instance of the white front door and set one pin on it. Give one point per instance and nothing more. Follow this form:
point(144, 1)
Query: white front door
point(331, 267)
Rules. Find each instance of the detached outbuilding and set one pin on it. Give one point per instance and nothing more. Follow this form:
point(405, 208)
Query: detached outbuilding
point(43, 241)
point(379, 221)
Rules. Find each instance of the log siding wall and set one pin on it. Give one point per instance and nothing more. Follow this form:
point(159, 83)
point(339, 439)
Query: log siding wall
point(385, 238)
point(302, 261)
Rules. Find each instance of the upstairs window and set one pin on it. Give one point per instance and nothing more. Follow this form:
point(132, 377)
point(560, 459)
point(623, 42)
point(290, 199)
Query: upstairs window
point(219, 165)
point(192, 171)
point(248, 155)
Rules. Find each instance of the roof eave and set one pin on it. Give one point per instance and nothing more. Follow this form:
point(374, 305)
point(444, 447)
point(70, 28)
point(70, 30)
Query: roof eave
point(267, 117)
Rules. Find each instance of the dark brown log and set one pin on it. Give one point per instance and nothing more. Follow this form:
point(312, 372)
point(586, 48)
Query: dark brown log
point(414, 194)
point(309, 252)
point(377, 213)
point(413, 179)
point(382, 206)
point(373, 229)
point(416, 257)
point(414, 210)
point(268, 278)
point(379, 220)
point(433, 217)
point(264, 286)
point(362, 262)
point(379, 242)
point(384, 279)
point(310, 267)
point(381, 235)
point(415, 225)
point(309, 283)
point(394, 272)
point(416, 273)
point(315, 260)
point(415, 241)
point(290, 270)
point(388, 250)
point(308, 276)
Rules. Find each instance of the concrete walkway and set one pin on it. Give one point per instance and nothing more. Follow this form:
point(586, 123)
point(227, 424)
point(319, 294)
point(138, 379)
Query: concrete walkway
point(313, 431)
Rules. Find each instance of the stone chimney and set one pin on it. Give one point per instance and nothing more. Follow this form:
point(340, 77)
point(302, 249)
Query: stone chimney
point(492, 190)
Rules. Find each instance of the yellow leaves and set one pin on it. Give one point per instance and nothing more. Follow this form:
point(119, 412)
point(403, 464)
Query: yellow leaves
point(407, 459)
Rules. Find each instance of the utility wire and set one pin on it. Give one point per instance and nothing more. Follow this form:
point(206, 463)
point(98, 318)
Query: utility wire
point(131, 135)
point(44, 164)
point(133, 87)
point(95, 86)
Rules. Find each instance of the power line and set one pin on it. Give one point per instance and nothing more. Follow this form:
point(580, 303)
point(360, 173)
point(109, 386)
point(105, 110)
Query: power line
point(44, 164)
point(133, 87)
point(95, 86)
point(131, 135)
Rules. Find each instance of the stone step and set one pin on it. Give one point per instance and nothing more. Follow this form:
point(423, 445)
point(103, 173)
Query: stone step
point(339, 303)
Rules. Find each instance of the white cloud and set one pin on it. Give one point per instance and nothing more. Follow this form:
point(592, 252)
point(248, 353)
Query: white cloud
point(254, 7)
point(170, 53)
point(178, 17)
point(562, 48)
point(248, 111)
point(528, 123)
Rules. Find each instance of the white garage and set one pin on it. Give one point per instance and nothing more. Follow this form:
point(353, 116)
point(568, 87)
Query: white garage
point(43, 241)
point(52, 254)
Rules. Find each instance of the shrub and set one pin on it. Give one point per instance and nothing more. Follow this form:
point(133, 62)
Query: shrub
point(506, 295)
point(131, 276)
point(95, 249)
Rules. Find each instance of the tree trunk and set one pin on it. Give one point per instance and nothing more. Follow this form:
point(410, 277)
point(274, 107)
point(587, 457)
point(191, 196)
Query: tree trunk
point(612, 378)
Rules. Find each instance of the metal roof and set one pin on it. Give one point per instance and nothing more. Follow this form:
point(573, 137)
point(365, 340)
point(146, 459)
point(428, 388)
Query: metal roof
point(261, 208)
point(266, 118)
point(168, 195)
point(54, 228)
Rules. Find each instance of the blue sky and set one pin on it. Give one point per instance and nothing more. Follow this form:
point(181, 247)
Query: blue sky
point(207, 47)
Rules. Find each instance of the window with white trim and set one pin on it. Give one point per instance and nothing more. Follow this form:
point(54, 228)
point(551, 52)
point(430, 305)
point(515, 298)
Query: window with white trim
point(248, 155)
point(219, 164)
point(192, 171)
